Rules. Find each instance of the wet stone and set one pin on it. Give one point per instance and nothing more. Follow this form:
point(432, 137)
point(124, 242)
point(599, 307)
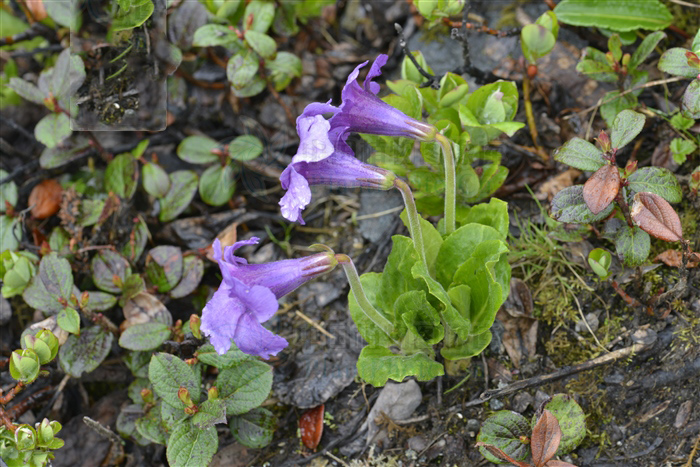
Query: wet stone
point(374, 229)
point(496, 404)
point(5, 311)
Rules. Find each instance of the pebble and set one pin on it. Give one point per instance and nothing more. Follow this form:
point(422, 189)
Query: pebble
point(496, 404)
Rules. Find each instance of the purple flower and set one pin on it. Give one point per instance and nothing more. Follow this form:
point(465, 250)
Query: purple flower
point(363, 112)
point(338, 169)
point(248, 297)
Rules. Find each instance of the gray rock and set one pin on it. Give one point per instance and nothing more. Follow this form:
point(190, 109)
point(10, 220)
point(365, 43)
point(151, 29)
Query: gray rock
point(5, 311)
point(372, 202)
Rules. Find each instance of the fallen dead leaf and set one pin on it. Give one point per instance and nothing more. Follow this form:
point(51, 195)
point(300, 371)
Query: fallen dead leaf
point(45, 199)
point(674, 258)
point(520, 336)
point(555, 184)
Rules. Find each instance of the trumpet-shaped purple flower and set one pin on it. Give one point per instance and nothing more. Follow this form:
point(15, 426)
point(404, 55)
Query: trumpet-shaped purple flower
point(363, 112)
point(337, 169)
point(248, 297)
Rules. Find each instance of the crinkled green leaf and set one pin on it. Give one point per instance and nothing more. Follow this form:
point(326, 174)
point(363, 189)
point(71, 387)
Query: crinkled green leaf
point(627, 125)
point(376, 365)
point(211, 412)
point(54, 282)
point(632, 245)
point(459, 246)
point(690, 105)
point(164, 267)
point(207, 354)
point(192, 272)
point(168, 373)
point(504, 430)
point(572, 422)
point(614, 104)
point(144, 336)
point(244, 386)
point(85, 353)
point(675, 62)
point(568, 206)
point(151, 426)
point(107, 264)
point(189, 445)
point(656, 180)
point(254, 429)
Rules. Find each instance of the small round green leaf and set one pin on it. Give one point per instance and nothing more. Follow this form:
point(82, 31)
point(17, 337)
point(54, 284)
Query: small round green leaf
point(245, 148)
point(69, 320)
point(164, 267)
point(121, 176)
point(503, 430)
point(53, 129)
point(254, 429)
point(627, 125)
point(109, 270)
point(217, 184)
point(183, 187)
point(263, 44)
point(192, 272)
point(198, 150)
point(144, 336)
point(85, 353)
point(155, 180)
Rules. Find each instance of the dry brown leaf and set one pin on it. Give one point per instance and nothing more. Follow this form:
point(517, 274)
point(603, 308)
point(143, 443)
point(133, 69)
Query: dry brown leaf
point(555, 184)
point(45, 199)
point(37, 9)
point(520, 336)
point(601, 188)
point(545, 440)
point(674, 258)
point(656, 217)
point(144, 308)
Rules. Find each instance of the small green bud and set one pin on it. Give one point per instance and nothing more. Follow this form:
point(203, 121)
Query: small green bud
point(147, 396)
point(626, 59)
point(184, 395)
point(25, 438)
point(51, 341)
point(40, 347)
point(213, 393)
point(24, 365)
point(45, 432)
point(195, 323)
point(55, 427)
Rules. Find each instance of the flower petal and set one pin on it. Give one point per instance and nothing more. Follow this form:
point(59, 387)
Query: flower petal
point(220, 318)
point(314, 144)
point(252, 338)
point(317, 108)
point(258, 300)
point(298, 194)
point(374, 71)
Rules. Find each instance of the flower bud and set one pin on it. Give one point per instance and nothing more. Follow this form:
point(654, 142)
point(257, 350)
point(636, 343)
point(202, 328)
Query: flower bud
point(25, 438)
point(40, 347)
point(147, 396)
point(184, 395)
point(84, 299)
point(51, 341)
point(195, 323)
point(213, 393)
point(24, 365)
point(626, 59)
point(45, 432)
point(604, 141)
point(630, 168)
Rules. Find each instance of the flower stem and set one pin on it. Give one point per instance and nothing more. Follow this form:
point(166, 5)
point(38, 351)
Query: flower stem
point(450, 184)
point(413, 217)
point(360, 297)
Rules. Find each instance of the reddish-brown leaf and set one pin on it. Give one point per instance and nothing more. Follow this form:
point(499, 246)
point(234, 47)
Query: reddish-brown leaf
point(45, 199)
point(556, 463)
point(545, 440)
point(674, 259)
point(601, 188)
point(656, 217)
point(501, 455)
point(311, 426)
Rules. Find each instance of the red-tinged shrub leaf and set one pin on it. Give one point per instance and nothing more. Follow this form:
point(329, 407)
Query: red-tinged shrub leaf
point(311, 426)
point(545, 439)
point(656, 217)
point(556, 463)
point(501, 455)
point(601, 188)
